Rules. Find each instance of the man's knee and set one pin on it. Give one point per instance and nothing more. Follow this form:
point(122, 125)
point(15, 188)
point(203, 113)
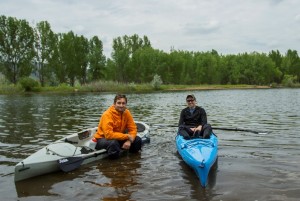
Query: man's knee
point(184, 134)
point(207, 130)
point(136, 145)
point(112, 147)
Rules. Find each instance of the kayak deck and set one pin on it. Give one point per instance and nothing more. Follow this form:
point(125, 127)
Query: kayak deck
point(48, 159)
point(200, 154)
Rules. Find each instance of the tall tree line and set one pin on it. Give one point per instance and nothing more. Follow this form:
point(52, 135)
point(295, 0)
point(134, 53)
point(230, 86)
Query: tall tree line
point(56, 58)
point(51, 58)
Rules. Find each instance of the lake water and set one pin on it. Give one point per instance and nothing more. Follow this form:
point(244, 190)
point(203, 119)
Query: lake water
point(251, 166)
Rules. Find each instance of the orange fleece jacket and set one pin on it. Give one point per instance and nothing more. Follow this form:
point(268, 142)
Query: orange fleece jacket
point(113, 124)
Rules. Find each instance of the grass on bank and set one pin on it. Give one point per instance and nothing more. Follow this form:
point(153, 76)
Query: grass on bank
point(99, 86)
point(111, 86)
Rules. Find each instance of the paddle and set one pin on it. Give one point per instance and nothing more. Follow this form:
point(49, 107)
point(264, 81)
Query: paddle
point(216, 128)
point(239, 129)
point(74, 162)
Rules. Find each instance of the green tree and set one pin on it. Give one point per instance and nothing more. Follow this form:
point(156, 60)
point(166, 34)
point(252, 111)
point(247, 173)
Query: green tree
point(59, 68)
point(277, 59)
point(73, 54)
point(256, 68)
point(213, 72)
point(229, 70)
point(81, 58)
point(96, 59)
point(265, 69)
point(16, 48)
point(161, 60)
point(45, 41)
point(207, 68)
point(176, 62)
point(291, 64)
point(121, 57)
point(123, 50)
point(65, 53)
point(110, 70)
point(188, 76)
point(198, 71)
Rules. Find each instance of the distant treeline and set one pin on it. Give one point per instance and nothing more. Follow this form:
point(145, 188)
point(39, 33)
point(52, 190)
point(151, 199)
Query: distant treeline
point(56, 58)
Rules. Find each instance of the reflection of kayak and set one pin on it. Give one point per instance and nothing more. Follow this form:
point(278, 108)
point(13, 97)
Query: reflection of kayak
point(40, 186)
point(67, 154)
point(199, 154)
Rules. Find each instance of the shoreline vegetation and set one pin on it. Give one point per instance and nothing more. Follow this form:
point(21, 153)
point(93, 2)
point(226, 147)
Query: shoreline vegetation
point(111, 86)
point(37, 60)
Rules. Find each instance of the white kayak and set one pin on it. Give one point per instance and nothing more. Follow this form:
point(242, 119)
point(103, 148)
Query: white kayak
point(67, 154)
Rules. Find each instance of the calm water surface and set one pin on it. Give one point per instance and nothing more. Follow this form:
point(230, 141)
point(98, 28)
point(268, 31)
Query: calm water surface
point(250, 166)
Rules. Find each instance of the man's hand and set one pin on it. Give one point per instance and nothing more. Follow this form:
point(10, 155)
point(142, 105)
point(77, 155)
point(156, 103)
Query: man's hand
point(199, 128)
point(196, 129)
point(126, 145)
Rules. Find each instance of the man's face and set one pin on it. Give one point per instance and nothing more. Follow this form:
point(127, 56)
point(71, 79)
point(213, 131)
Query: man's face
point(190, 102)
point(120, 105)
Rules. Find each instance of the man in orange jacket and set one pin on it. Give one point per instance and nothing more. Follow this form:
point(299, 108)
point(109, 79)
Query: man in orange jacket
point(117, 130)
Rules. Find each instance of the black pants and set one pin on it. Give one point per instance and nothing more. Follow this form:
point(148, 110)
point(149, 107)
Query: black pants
point(113, 147)
point(187, 133)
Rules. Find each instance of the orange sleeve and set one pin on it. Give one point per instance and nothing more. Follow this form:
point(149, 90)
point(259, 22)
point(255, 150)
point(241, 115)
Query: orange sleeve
point(131, 126)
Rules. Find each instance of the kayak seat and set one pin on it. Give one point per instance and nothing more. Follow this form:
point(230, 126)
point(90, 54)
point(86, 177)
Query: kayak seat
point(140, 127)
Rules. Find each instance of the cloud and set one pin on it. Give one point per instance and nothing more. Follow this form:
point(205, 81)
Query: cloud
point(202, 27)
point(231, 26)
point(297, 18)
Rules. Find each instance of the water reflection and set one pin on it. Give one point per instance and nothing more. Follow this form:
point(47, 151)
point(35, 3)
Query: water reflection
point(114, 179)
point(41, 186)
point(28, 123)
point(121, 177)
point(197, 192)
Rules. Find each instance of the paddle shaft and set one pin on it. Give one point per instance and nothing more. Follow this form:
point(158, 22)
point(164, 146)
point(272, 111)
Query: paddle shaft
point(236, 129)
point(72, 163)
point(217, 128)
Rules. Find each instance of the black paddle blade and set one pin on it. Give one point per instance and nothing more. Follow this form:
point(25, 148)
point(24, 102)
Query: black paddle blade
point(69, 164)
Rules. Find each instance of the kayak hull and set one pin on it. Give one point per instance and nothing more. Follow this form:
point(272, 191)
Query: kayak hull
point(46, 160)
point(199, 154)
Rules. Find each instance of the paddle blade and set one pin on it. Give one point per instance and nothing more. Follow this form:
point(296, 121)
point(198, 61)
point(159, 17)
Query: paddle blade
point(69, 164)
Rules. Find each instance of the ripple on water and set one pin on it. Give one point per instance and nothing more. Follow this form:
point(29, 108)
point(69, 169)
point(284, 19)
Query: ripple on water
point(266, 164)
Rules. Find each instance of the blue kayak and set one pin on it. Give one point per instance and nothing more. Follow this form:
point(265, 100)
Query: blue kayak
point(200, 154)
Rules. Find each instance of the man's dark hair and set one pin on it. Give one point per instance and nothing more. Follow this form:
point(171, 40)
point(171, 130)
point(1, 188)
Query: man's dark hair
point(119, 96)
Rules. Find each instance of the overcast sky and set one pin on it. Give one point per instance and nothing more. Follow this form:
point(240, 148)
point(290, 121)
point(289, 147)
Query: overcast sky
point(227, 26)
